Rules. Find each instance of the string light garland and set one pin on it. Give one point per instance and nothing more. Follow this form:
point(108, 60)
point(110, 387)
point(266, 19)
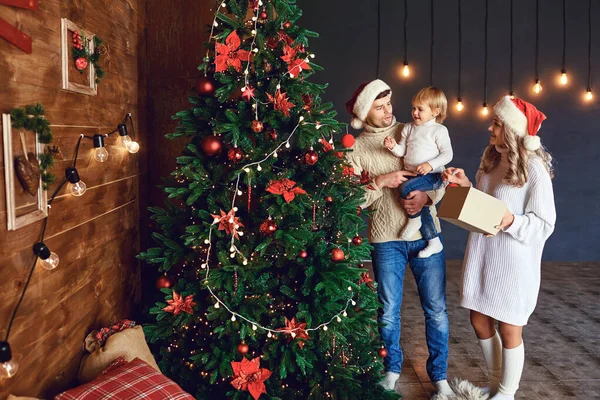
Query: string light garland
point(563, 71)
point(588, 94)
point(48, 259)
point(459, 102)
point(537, 87)
point(484, 107)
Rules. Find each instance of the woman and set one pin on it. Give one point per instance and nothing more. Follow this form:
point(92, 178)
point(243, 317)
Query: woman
point(501, 273)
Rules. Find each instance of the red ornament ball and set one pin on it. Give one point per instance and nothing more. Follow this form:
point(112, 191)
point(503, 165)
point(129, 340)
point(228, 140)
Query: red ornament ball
point(205, 86)
point(263, 15)
point(268, 227)
point(337, 254)
point(211, 145)
point(382, 352)
point(242, 348)
point(357, 240)
point(257, 126)
point(303, 254)
point(164, 282)
point(311, 157)
point(81, 63)
point(329, 199)
point(347, 140)
point(287, 25)
point(235, 154)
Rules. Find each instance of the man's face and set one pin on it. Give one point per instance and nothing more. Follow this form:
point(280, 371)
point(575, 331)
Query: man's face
point(380, 114)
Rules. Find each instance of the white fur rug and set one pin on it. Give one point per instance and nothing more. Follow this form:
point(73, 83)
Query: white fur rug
point(464, 390)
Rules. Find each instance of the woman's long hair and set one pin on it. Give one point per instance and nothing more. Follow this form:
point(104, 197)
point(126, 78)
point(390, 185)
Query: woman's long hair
point(518, 157)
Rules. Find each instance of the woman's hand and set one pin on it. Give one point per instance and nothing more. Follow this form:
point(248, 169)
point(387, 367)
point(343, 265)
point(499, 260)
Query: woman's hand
point(393, 179)
point(507, 220)
point(456, 175)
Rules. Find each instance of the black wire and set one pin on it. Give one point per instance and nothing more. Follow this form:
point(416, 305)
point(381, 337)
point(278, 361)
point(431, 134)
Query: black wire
point(378, 37)
point(510, 83)
point(431, 49)
point(589, 44)
point(564, 54)
point(485, 62)
point(405, 35)
point(43, 233)
point(537, 37)
point(459, 47)
point(132, 125)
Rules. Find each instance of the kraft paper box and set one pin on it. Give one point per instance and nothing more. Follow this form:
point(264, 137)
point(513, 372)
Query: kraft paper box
point(472, 209)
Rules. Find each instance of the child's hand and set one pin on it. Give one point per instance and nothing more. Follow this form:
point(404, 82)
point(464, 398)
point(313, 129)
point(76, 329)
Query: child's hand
point(389, 143)
point(424, 168)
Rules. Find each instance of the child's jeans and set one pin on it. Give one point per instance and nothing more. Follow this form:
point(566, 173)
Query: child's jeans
point(423, 183)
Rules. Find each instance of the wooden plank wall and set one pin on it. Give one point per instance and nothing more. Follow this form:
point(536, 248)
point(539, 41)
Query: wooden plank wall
point(97, 235)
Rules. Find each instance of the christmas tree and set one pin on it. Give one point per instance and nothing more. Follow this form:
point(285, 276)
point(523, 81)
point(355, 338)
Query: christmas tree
point(264, 290)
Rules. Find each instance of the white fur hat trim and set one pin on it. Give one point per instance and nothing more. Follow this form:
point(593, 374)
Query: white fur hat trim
point(510, 115)
point(532, 143)
point(365, 100)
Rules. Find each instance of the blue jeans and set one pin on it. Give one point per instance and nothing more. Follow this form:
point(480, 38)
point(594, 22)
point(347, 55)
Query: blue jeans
point(389, 264)
point(423, 183)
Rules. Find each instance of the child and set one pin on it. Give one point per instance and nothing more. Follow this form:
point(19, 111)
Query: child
point(501, 273)
point(425, 146)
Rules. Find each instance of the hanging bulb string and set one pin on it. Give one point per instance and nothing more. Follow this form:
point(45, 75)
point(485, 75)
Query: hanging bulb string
point(510, 73)
point(42, 235)
point(589, 45)
point(378, 58)
point(564, 21)
point(405, 33)
point(432, 45)
point(235, 315)
point(485, 57)
point(537, 37)
point(459, 48)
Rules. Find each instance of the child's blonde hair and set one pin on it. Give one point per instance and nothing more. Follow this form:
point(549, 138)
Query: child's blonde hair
point(434, 98)
point(518, 157)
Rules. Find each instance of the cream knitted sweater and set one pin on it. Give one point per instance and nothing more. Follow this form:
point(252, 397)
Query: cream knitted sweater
point(501, 274)
point(388, 218)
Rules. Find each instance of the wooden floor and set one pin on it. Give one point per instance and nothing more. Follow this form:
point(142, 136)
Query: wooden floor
point(562, 359)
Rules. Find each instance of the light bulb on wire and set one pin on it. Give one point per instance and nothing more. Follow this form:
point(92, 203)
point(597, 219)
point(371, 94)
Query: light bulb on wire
point(512, 94)
point(459, 105)
point(588, 94)
point(537, 88)
point(484, 109)
point(126, 141)
point(8, 365)
point(563, 77)
point(76, 186)
point(405, 70)
point(100, 153)
point(48, 259)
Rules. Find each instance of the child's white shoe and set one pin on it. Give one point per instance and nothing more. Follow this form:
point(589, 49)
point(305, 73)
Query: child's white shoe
point(444, 389)
point(389, 381)
point(412, 227)
point(434, 246)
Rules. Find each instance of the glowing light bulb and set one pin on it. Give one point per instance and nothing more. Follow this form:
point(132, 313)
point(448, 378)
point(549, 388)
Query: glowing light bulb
point(588, 94)
point(133, 147)
point(459, 105)
point(254, 327)
point(8, 365)
point(537, 88)
point(484, 109)
point(100, 154)
point(48, 259)
point(405, 70)
point(325, 328)
point(77, 189)
point(233, 318)
point(217, 305)
point(563, 77)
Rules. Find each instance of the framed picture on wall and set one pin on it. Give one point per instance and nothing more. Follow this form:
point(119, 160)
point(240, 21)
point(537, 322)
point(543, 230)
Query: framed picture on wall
point(26, 200)
point(78, 75)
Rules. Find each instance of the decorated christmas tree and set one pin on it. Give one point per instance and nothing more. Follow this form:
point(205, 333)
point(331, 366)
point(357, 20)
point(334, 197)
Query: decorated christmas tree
point(264, 290)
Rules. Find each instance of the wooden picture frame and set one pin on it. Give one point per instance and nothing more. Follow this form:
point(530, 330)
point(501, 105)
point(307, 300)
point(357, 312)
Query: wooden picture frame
point(20, 215)
point(67, 59)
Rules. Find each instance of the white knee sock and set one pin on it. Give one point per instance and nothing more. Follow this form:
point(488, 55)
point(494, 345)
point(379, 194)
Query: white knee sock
point(434, 246)
point(443, 388)
point(512, 368)
point(492, 354)
point(389, 381)
point(412, 226)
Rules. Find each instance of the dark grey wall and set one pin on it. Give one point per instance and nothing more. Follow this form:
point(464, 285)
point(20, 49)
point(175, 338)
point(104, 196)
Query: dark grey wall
point(347, 49)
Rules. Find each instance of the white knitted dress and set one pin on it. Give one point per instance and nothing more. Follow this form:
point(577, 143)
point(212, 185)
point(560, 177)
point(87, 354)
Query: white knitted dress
point(501, 274)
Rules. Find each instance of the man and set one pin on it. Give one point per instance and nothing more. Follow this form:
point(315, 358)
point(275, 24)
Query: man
point(371, 108)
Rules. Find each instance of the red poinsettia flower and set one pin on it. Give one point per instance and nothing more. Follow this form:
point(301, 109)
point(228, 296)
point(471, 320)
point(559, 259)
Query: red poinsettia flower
point(248, 376)
point(230, 54)
point(248, 94)
point(348, 171)
point(228, 222)
point(253, 4)
point(298, 331)
point(285, 38)
point(308, 101)
point(285, 187)
point(295, 65)
point(178, 304)
point(281, 102)
point(364, 177)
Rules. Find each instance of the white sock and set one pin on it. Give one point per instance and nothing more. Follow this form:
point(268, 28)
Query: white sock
point(512, 368)
point(492, 354)
point(434, 246)
point(412, 227)
point(443, 388)
point(389, 381)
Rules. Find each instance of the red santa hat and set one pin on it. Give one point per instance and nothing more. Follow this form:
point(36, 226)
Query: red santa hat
point(522, 118)
point(362, 100)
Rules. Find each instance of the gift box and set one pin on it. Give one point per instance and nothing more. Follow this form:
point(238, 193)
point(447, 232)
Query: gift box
point(472, 209)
